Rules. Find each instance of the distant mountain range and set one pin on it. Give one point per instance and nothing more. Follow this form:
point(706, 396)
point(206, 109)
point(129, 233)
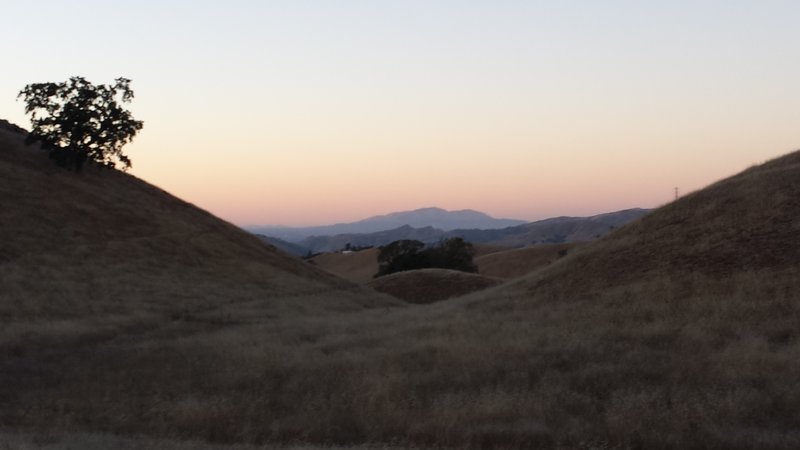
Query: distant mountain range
point(548, 231)
point(556, 230)
point(438, 218)
point(318, 244)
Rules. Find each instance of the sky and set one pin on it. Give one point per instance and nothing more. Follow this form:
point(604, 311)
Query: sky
point(314, 112)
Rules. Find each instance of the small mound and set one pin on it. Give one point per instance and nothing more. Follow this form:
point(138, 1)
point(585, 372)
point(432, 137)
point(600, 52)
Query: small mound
point(430, 285)
point(517, 262)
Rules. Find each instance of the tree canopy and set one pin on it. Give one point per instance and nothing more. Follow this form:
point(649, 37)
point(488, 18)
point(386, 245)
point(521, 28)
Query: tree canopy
point(77, 121)
point(454, 253)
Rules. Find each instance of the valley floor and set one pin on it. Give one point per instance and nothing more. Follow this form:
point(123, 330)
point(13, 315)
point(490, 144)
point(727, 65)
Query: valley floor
point(702, 363)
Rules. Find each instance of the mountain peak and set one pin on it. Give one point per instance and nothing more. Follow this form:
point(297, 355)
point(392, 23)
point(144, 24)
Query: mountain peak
point(426, 209)
point(441, 218)
point(435, 217)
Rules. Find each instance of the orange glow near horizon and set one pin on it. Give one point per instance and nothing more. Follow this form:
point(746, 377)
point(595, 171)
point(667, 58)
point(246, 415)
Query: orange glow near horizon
point(271, 188)
point(309, 113)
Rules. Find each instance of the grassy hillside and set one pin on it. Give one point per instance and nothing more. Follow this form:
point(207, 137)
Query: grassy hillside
point(513, 263)
point(745, 224)
point(94, 251)
point(677, 331)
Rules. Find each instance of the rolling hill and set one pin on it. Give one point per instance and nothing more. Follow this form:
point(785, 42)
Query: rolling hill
point(431, 285)
point(103, 246)
point(748, 223)
point(678, 330)
point(513, 263)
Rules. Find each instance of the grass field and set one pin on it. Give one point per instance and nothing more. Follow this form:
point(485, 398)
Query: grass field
point(430, 285)
point(105, 441)
point(133, 319)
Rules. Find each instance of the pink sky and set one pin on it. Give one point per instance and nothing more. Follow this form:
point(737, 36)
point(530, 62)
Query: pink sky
point(308, 112)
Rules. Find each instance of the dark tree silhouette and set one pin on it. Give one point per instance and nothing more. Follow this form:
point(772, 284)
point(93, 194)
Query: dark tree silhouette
point(77, 121)
point(399, 256)
point(454, 253)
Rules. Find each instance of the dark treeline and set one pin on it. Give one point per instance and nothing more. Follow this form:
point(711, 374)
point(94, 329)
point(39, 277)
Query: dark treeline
point(454, 253)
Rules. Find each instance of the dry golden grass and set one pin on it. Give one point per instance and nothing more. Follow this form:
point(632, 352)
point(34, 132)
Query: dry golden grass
point(746, 223)
point(89, 255)
point(358, 267)
point(106, 441)
point(487, 249)
point(430, 285)
point(654, 372)
point(513, 263)
point(678, 331)
point(79, 243)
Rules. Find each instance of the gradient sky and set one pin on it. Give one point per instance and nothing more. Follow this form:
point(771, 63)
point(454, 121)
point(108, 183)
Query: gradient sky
point(310, 112)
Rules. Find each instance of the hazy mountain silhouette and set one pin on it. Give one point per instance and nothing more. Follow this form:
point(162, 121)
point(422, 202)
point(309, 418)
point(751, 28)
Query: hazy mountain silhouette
point(419, 218)
point(286, 247)
point(549, 231)
point(332, 243)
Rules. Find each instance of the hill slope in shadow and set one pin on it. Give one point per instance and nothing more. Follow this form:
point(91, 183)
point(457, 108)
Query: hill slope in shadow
point(516, 262)
point(679, 330)
point(104, 243)
point(748, 223)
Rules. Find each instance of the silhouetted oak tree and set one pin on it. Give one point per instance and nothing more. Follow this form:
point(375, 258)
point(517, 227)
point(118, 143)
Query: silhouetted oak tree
point(77, 121)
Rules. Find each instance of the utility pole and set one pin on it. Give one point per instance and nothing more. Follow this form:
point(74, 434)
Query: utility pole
point(676, 192)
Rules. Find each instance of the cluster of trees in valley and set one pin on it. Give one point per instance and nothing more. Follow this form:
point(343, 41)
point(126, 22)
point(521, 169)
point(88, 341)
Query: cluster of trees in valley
point(454, 253)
